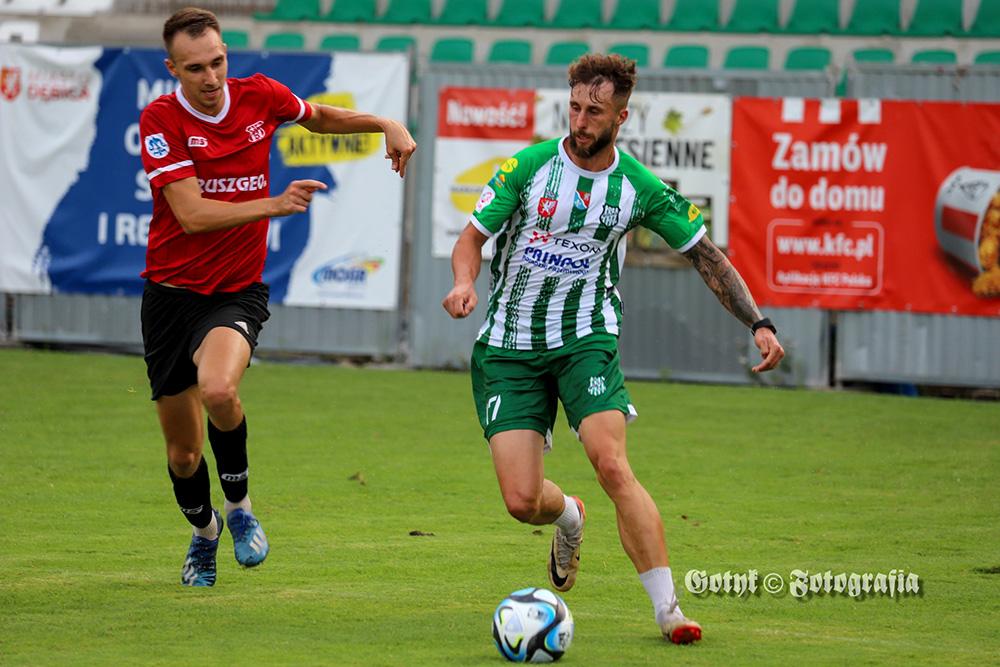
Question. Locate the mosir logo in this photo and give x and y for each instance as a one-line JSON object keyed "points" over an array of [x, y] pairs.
{"points": [[10, 82]]}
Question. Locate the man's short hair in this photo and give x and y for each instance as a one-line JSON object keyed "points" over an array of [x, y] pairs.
{"points": [[594, 69], [190, 20]]}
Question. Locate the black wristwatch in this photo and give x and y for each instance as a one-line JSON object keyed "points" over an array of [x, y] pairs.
{"points": [[763, 324]]}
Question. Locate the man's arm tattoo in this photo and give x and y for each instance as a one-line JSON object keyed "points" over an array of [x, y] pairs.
{"points": [[723, 279]]}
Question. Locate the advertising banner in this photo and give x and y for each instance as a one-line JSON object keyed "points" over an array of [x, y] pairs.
{"points": [[77, 204], [683, 139], [867, 204]]}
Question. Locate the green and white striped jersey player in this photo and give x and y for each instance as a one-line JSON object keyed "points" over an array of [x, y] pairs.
{"points": [[559, 212], [560, 243]]}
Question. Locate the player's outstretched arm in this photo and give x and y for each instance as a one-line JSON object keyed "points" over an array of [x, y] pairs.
{"points": [[197, 214], [723, 279], [466, 260], [399, 144]]}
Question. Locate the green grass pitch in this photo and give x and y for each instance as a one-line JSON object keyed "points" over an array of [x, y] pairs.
{"points": [[346, 462]]}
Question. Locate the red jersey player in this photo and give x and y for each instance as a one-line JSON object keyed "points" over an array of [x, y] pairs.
{"points": [[205, 152]]}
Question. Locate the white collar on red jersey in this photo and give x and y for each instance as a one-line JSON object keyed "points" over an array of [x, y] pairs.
{"points": [[218, 118]]}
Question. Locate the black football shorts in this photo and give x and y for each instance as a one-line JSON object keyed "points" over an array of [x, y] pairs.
{"points": [[175, 321]]}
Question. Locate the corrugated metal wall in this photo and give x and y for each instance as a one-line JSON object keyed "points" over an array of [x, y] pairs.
{"points": [[971, 83], [114, 321], [674, 327], [907, 347]]}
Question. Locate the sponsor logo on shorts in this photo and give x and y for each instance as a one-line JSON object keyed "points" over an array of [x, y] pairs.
{"points": [[192, 510], [597, 386], [157, 146], [242, 325]]}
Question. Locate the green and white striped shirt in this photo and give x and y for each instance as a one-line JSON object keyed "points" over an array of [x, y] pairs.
{"points": [[560, 233]]}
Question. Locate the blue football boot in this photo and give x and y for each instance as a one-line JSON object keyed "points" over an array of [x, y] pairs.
{"points": [[249, 542], [199, 566]]}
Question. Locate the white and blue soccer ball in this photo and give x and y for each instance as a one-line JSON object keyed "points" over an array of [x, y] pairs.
{"points": [[532, 625]]}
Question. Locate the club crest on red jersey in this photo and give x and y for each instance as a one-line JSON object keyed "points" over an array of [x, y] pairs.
{"points": [[10, 82], [547, 207], [256, 131]]}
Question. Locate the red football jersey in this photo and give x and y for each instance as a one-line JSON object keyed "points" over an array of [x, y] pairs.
{"points": [[229, 155]]}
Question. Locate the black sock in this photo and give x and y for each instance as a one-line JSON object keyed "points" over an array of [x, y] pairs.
{"points": [[230, 449], [194, 495]]}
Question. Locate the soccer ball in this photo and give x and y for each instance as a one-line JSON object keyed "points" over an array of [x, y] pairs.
{"points": [[532, 625]]}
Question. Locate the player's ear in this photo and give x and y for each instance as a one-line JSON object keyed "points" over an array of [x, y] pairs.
{"points": [[622, 116]]}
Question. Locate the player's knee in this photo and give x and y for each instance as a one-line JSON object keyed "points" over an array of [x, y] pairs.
{"points": [[183, 462], [614, 474], [219, 395], [524, 508]]}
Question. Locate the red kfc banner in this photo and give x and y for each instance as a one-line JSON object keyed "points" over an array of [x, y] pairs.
{"points": [[867, 204]]}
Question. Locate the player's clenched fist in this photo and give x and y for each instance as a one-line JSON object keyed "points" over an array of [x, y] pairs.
{"points": [[461, 300], [296, 197], [399, 145]]}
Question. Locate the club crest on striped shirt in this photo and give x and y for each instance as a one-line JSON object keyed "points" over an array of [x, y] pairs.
{"points": [[597, 386], [581, 201], [547, 207]]}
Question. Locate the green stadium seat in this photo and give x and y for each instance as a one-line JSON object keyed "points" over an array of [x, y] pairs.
{"points": [[636, 15], [935, 56], [987, 58], [987, 21], [351, 11], [563, 53], [753, 16], [873, 56], [686, 55], [810, 17], [747, 57], [340, 42], [637, 52], [395, 43], [407, 11], [521, 14], [937, 18], [452, 50], [807, 57], [292, 10], [236, 39], [694, 16], [577, 14], [463, 12], [285, 41], [874, 17], [864, 56], [510, 51]]}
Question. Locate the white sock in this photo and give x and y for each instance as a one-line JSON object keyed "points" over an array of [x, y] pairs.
{"points": [[209, 532], [242, 505], [659, 585], [570, 520]]}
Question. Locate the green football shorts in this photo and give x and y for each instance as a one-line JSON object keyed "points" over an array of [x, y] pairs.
{"points": [[518, 389]]}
